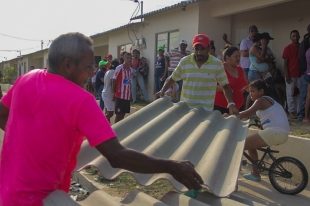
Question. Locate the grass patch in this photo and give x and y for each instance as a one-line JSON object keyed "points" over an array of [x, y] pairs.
{"points": [[140, 103], [126, 183]]}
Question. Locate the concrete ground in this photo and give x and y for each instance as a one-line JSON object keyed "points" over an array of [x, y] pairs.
{"points": [[262, 192]]}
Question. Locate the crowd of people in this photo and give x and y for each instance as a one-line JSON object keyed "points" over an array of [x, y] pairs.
{"points": [[239, 82]]}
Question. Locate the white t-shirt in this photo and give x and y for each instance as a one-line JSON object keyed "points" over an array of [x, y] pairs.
{"points": [[170, 89], [274, 118], [107, 89]]}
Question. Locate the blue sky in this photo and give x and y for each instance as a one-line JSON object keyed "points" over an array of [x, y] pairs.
{"points": [[45, 20]]}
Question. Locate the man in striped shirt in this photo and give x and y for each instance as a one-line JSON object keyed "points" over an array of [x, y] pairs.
{"points": [[121, 88], [201, 72], [173, 58]]}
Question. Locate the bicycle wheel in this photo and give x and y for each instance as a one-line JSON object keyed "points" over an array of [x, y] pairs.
{"points": [[288, 175]]}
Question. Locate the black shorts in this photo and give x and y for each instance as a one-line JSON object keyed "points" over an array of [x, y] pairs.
{"points": [[221, 109], [122, 106]]}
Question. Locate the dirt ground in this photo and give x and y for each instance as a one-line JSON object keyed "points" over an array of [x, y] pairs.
{"points": [[299, 128]]}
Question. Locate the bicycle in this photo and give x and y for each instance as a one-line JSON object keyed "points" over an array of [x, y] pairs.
{"points": [[286, 174]]}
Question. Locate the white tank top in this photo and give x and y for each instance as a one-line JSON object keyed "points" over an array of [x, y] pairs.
{"points": [[274, 118]]}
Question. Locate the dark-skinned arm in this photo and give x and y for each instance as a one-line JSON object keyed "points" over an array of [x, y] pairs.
{"points": [[4, 114], [259, 104], [230, 98], [125, 158], [113, 83], [286, 73], [168, 83]]}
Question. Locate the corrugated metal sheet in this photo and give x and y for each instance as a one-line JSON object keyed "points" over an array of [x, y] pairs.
{"points": [[180, 4], [173, 131], [138, 198], [163, 129]]}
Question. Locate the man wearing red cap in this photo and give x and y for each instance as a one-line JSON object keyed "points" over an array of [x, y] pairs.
{"points": [[200, 73], [108, 58]]}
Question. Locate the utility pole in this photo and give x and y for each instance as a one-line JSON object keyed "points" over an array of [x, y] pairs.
{"points": [[42, 44], [141, 10]]}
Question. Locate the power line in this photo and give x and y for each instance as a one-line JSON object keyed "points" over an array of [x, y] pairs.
{"points": [[21, 38]]}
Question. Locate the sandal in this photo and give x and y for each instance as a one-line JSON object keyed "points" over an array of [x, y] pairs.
{"points": [[250, 176], [306, 120]]}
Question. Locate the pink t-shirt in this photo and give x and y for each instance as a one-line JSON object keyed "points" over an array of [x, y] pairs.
{"points": [[49, 117]]}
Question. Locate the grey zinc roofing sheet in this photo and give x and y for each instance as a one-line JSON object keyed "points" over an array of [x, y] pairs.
{"points": [[138, 198], [173, 131]]}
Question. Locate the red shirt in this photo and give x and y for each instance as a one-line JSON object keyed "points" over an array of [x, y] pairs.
{"points": [[237, 85], [290, 53], [135, 63], [123, 82]]}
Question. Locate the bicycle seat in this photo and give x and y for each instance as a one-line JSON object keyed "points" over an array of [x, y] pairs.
{"points": [[267, 149]]}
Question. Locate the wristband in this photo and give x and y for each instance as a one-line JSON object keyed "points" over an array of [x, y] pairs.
{"points": [[231, 103]]}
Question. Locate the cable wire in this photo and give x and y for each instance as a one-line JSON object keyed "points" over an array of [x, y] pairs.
{"points": [[22, 38]]}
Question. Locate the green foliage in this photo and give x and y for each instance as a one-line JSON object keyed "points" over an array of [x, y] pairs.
{"points": [[9, 75]]}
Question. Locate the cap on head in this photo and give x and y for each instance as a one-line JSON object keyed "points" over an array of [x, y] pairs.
{"points": [[108, 56], [183, 42], [102, 63], [201, 39], [253, 27], [266, 35], [160, 48]]}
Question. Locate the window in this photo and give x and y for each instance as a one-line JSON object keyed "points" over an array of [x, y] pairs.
{"points": [[170, 40], [126, 48]]}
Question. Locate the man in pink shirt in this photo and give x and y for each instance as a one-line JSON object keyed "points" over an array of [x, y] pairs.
{"points": [[45, 125]]}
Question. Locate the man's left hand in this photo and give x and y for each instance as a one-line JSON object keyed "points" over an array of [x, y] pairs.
{"points": [[233, 110]]}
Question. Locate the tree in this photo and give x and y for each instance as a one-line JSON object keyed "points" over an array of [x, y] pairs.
{"points": [[9, 75]]}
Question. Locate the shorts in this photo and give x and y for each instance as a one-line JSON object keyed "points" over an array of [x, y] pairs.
{"points": [[254, 75], [108, 103], [122, 106], [273, 138]]}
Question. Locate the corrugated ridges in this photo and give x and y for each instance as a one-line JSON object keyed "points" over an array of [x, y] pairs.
{"points": [[138, 198], [173, 131]]}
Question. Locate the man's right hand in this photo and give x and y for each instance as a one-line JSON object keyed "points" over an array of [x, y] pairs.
{"points": [[185, 173], [158, 95], [264, 42], [288, 79]]}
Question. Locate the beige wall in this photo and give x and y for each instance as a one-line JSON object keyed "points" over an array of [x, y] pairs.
{"points": [[213, 27], [101, 51], [280, 18]]}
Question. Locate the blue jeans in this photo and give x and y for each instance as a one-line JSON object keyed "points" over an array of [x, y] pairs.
{"points": [[158, 84], [140, 80], [180, 83], [302, 96], [254, 75], [101, 102]]}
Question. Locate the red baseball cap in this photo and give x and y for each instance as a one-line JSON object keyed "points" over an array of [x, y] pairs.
{"points": [[108, 55], [201, 39]]}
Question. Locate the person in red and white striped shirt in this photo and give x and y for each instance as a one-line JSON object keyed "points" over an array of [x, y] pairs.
{"points": [[121, 87]]}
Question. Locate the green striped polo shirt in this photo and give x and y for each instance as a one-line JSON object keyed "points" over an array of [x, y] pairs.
{"points": [[199, 84]]}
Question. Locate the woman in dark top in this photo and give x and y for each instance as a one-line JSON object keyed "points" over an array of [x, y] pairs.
{"points": [[159, 68]]}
